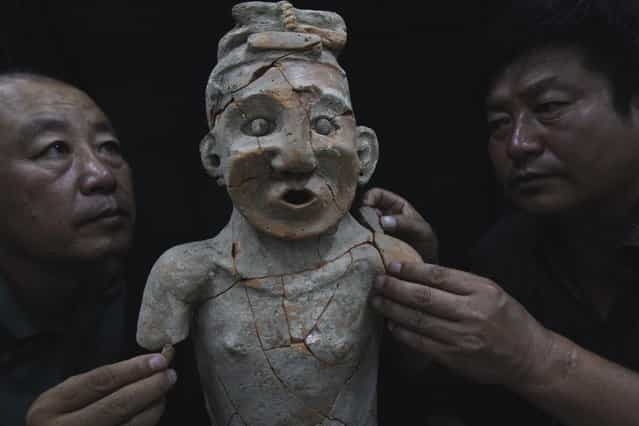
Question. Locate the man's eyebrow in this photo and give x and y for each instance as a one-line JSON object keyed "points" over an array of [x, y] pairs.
{"points": [[536, 87], [531, 89], [42, 124], [104, 126]]}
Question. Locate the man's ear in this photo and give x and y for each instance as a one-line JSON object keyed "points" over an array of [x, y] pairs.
{"points": [[211, 159], [368, 153]]}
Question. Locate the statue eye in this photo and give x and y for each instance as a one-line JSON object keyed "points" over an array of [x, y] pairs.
{"points": [[324, 126], [258, 127]]}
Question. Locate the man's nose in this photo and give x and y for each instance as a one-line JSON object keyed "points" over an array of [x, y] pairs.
{"points": [[96, 176], [294, 155], [524, 141]]}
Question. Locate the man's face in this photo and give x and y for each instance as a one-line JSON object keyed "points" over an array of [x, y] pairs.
{"points": [[67, 190], [288, 150], [557, 143]]}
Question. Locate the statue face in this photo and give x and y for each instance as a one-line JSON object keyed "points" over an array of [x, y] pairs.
{"points": [[287, 150]]}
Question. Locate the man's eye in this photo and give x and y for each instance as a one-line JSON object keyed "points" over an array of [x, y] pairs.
{"points": [[496, 126], [324, 126], [111, 147], [258, 127], [549, 108], [55, 149]]}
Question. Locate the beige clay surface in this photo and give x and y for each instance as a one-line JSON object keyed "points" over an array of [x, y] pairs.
{"points": [[277, 302]]}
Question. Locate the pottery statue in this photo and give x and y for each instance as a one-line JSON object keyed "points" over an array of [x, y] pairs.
{"points": [[277, 302]]}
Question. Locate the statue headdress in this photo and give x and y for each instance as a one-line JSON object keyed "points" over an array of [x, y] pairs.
{"points": [[264, 33]]}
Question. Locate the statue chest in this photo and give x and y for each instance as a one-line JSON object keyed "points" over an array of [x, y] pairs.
{"points": [[293, 339]]}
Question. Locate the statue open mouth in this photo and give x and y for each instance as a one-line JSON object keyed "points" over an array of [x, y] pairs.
{"points": [[298, 197]]}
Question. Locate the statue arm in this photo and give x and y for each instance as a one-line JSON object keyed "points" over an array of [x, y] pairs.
{"points": [[408, 360], [170, 292]]}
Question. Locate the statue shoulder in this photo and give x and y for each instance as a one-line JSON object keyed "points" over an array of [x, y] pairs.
{"points": [[392, 249], [189, 258], [186, 268], [180, 278]]}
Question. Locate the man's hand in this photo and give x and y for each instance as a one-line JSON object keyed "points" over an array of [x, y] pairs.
{"points": [[464, 321], [399, 219], [130, 392]]}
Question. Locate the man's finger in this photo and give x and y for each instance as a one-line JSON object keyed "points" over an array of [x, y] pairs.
{"points": [[448, 279], [386, 201], [415, 231], [420, 322], [412, 228], [150, 416], [82, 390], [428, 346], [127, 402], [424, 298]]}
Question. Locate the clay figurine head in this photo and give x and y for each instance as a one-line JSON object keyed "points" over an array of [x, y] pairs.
{"points": [[283, 136]]}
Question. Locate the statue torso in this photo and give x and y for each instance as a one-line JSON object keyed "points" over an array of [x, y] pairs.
{"points": [[293, 349], [283, 330]]}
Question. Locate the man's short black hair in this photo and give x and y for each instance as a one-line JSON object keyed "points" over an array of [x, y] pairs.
{"points": [[606, 31]]}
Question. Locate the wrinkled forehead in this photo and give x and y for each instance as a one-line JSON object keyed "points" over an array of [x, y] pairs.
{"points": [[535, 68], [29, 107], [24, 95], [321, 80]]}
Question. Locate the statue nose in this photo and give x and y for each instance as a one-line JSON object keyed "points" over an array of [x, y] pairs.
{"points": [[295, 157]]}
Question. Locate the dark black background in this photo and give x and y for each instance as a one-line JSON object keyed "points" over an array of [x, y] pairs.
{"points": [[413, 76]]}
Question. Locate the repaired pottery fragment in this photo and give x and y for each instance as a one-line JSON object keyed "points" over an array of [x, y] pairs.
{"points": [[277, 302]]}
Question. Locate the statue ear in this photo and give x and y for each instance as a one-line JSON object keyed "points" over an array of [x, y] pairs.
{"points": [[368, 153], [211, 159]]}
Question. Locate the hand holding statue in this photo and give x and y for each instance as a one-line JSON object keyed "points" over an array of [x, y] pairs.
{"points": [[130, 392], [400, 219], [464, 321]]}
